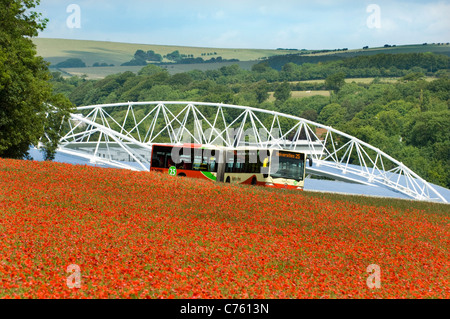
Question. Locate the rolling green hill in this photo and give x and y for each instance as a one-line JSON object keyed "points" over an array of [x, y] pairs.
{"points": [[58, 50], [277, 62], [442, 48], [115, 53]]}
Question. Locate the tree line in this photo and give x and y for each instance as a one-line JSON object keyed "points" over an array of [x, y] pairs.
{"points": [[144, 58], [381, 60]]}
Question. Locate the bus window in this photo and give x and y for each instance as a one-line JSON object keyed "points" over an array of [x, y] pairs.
{"points": [[212, 167], [192, 159], [211, 163], [252, 160], [239, 162], [197, 163], [265, 166], [230, 166], [290, 165], [162, 156], [160, 159], [229, 160], [170, 162], [185, 162]]}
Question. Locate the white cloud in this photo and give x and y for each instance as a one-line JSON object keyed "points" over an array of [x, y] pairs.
{"points": [[219, 15], [201, 16], [263, 10], [228, 39]]}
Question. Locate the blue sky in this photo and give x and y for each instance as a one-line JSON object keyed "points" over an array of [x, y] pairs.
{"points": [[262, 24]]}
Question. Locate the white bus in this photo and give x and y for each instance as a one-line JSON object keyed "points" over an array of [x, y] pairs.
{"points": [[248, 165]]}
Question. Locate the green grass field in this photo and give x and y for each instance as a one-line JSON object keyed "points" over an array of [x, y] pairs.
{"points": [[95, 73], [301, 94]]}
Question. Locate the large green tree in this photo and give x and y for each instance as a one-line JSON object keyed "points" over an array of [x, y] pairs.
{"points": [[28, 107], [261, 90], [282, 92], [335, 81]]}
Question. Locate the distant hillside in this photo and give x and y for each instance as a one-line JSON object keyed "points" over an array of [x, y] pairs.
{"points": [[58, 50], [278, 61], [113, 54], [441, 48]]}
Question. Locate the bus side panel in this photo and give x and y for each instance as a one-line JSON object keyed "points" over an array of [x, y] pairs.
{"points": [[245, 178], [275, 185], [186, 172], [249, 180]]}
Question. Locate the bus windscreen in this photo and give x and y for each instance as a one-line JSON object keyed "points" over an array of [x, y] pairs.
{"points": [[287, 165]]}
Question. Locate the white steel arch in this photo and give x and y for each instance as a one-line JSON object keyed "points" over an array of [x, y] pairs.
{"points": [[122, 135]]}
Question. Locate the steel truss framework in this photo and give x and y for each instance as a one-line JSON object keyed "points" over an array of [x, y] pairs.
{"points": [[122, 135]]}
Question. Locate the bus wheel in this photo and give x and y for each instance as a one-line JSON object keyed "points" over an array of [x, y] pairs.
{"points": [[182, 175], [254, 181], [228, 179]]}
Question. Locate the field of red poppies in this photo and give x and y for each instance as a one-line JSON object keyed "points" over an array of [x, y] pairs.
{"points": [[147, 235]]}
